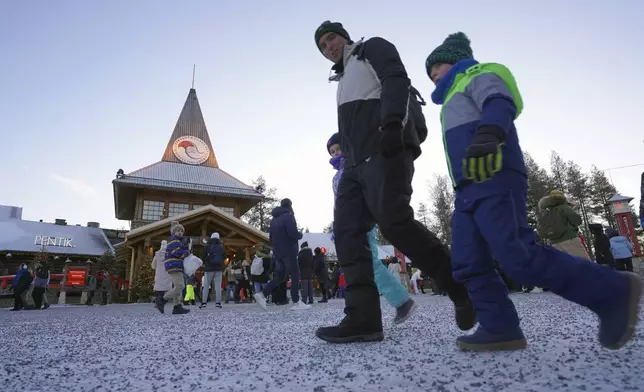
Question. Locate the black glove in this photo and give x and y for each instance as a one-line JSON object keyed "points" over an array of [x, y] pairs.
{"points": [[484, 156], [391, 140]]}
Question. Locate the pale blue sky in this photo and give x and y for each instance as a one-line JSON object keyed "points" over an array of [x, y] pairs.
{"points": [[88, 87]]}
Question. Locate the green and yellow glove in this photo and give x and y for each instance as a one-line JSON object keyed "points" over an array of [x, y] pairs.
{"points": [[484, 157]]}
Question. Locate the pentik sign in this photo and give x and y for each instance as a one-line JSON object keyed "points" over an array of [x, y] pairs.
{"points": [[62, 242]]}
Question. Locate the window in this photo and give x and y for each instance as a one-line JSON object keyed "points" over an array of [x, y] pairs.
{"points": [[177, 208], [152, 210], [195, 206], [227, 210]]}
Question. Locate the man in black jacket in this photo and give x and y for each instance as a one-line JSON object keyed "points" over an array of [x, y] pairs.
{"points": [[322, 274], [381, 126], [213, 257], [305, 262]]}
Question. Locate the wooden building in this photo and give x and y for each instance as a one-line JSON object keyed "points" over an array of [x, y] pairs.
{"points": [[186, 185]]}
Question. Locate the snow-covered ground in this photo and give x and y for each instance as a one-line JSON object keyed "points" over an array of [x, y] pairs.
{"points": [[240, 348]]}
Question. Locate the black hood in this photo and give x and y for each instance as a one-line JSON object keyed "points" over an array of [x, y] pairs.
{"points": [[214, 241], [277, 211]]}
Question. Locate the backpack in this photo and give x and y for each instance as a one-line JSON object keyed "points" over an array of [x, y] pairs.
{"points": [[257, 268], [238, 273], [215, 255], [43, 272], [552, 224], [414, 108]]}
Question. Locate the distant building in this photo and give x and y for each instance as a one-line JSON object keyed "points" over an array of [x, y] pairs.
{"points": [[323, 240], [186, 185], [21, 240]]}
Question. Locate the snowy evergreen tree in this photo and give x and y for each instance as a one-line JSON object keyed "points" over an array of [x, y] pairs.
{"points": [[539, 183], [601, 191], [441, 207], [143, 287], [106, 262], [422, 214], [578, 193], [558, 170], [328, 228], [260, 215], [42, 256]]}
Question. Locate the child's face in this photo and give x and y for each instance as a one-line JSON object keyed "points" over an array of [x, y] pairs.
{"points": [[179, 233], [438, 71], [335, 150]]}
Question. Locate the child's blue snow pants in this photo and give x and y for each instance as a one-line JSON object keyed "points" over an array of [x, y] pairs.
{"points": [[491, 219]]}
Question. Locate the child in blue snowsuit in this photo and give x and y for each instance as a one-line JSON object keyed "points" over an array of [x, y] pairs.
{"points": [[479, 105], [175, 252], [388, 285]]}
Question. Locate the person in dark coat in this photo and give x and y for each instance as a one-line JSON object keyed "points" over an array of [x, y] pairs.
{"points": [[284, 237], [335, 279], [602, 245], [305, 262], [20, 284], [213, 257], [321, 273]]}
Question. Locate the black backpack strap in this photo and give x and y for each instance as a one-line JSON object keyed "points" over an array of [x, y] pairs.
{"points": [[358, 51], [416, 94]]}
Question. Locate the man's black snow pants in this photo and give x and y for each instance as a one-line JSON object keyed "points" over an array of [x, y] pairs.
{"points": [[379, 190]]}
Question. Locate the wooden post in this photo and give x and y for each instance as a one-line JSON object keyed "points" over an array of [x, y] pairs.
{"points": [[204, 229], [247, 253], [132, 258]]}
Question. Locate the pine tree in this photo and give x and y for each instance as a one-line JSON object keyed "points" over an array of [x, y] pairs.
{"points": [[539, 183], [143, 287], [558, 169], [601, 191], [578, 191], [422, 214], [442, 207], [42, 256], [107, 262], [260, 215], [328, 228]]}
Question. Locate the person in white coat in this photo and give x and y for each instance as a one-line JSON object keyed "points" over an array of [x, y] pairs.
{"points": [[162, 280], [394, 268], [415, 277]]}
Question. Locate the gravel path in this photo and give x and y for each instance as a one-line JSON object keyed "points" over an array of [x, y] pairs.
{"points": [[240, 348]]}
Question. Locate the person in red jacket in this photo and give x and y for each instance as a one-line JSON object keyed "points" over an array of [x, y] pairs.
{"points": [[342, 283]]}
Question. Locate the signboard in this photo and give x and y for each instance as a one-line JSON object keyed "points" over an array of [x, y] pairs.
{"points": [[62, 242], [76, 277], [191, 150]]}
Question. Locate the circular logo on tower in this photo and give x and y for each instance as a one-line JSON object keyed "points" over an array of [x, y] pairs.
{"points": [[191, 150]]}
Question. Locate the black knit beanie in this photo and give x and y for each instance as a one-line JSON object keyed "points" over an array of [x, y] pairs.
{"points": [[330, 27]]}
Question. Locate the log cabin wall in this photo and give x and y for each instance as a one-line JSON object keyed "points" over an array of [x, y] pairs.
{"points": [[182, 198]]}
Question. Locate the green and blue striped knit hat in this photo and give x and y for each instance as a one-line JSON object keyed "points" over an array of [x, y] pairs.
{"points": [[456, 47]]}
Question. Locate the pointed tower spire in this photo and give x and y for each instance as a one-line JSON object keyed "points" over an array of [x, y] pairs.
{"points": [[190, 143]]}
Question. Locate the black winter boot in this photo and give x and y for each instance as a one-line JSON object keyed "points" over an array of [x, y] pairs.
{"points": [[178, 309], [345, 333]]}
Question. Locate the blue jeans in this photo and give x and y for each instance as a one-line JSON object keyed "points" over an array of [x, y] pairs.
{"points": [[388, 284], [258, 287], [284, 267]]}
